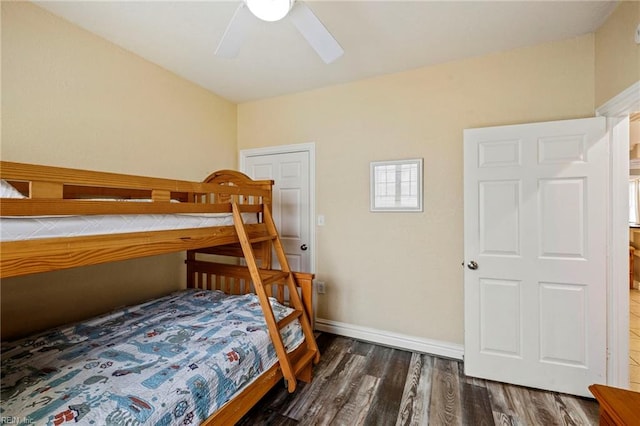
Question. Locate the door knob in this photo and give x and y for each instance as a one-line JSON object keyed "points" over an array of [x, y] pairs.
{"points": [[303, 247], [472, 265]]}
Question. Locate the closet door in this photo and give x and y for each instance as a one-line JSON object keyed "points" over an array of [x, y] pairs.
{"points": [[291, 202]]}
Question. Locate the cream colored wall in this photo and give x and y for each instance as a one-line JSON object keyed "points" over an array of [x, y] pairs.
{"points": [[70, 98], [617, 54], [402, 272]]}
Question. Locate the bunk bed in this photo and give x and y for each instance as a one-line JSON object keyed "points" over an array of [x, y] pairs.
{"points": [[227, 214]]}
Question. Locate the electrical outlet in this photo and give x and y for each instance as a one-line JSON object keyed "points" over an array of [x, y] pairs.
{"points": [[637, 35], [320, 287]]}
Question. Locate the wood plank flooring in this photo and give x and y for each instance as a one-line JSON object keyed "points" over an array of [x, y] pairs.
{"points": [[358, 383], [634, 340]]}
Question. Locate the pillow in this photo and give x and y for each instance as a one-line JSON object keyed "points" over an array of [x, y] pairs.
{"points": [[8, 191]]}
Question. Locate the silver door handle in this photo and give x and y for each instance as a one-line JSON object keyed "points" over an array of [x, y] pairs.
{"points": [[303, 247], [472, 265]]}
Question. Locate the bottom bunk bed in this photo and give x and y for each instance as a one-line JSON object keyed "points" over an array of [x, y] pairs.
{"points": [[199, 356]]}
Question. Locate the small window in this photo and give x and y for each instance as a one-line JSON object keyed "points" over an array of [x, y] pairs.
{"points": [[634, 189], [396, 186]]}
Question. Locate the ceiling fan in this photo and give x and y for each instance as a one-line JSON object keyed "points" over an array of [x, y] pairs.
{"points": [[298, 12]]}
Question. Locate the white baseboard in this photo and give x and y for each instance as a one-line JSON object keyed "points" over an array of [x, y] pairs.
{"points": [[387, 338]]}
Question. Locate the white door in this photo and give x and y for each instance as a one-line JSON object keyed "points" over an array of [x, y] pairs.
{"points": [[291, 202], [535, 203]]}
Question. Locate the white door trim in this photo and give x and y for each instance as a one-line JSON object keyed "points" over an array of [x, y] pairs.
{"points": [[617, 111], [623, 103], [310, 148]]}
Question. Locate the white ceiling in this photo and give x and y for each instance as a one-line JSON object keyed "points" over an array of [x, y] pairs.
{"points": [[378, 37]]}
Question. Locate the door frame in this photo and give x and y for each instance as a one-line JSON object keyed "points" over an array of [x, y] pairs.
{"points": [[617, 111], [310, 148]]}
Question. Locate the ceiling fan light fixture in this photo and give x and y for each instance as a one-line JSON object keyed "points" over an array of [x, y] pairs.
{"points": [[270, 10]]}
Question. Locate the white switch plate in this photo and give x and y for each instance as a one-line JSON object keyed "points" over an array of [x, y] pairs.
{"points": [[637, 37], [320, 220]]}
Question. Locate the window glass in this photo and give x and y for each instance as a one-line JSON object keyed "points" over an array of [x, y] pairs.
{"points": [[396, 185]]}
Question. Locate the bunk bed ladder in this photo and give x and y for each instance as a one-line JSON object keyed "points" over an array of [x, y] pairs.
{"points": [[263, 277]]}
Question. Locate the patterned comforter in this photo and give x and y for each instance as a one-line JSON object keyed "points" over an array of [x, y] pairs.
{"points": [[171, 361]]}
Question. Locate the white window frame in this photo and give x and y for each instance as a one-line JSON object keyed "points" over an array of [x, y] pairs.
{"points": [[376, 200], [634, 200]]}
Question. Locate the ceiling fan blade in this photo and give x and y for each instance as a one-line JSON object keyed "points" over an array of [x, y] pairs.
{"points": [[315, 32], [236, 31]]}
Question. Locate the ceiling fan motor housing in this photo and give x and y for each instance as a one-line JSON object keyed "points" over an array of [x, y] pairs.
{"points": [[270, 10]]}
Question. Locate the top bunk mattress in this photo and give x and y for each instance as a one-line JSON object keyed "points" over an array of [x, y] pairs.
{"points": [[19, 228], [171, 361]]}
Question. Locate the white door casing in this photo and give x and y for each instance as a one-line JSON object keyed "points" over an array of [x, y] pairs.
{"points": [[617, 111], [291, 207], [535, 202]]}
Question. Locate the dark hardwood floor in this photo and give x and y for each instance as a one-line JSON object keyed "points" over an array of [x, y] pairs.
{"points": [[358, 383]]}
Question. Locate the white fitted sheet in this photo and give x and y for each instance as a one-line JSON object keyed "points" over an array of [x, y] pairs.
{"points": [[17, 228]]}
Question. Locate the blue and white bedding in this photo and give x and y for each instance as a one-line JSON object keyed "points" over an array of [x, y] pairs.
{"points": [[171, 361]]}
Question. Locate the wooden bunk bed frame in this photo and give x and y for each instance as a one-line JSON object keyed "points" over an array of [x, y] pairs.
{"points": [[54, 191], [64, 191]]}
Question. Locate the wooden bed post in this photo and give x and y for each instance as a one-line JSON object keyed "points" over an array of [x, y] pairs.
{"points": [[191, 256]]}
